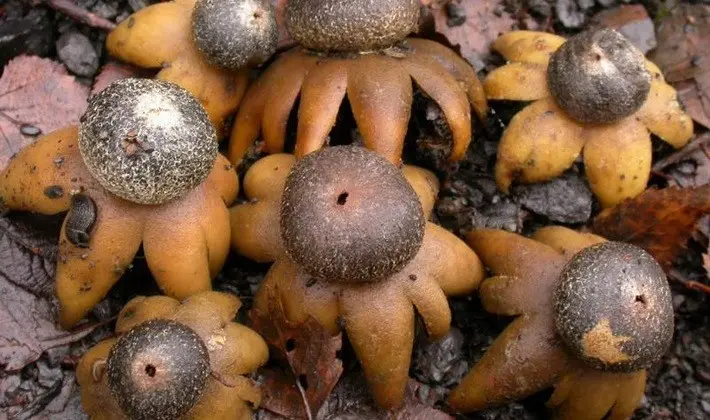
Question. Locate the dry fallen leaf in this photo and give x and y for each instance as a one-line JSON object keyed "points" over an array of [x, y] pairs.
{"points": [[36, 96], [659, 221], [484, 22], [26, 309], [683, 36], [311, 353]]}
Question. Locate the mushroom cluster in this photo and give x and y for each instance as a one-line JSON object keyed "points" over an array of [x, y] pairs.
{"points": [[352, 248], [595, 94], [357, 49], [141, 169], [174, 360], [591, 316], [205, 46]]}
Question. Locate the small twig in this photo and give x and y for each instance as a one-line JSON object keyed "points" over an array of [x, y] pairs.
{"points": [[690, 284], [303, 395], [75, 12]]}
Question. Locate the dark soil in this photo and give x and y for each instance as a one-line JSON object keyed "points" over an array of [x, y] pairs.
{"points": [[678, 387]]}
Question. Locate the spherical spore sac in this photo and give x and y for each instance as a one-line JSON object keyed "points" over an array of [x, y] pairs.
{"points": [[349, 215], [158, 370], [235, 33], [613, 307], [351, 26], [599, 77], [147, 141]]}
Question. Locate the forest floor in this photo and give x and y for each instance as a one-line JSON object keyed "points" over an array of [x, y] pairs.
{"points": [[37, 359]]}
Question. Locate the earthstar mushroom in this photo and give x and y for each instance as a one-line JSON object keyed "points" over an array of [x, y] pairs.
{"points": [[594, 94], [204, 46], [141, 170], [321, 220], [174, 360], [591, 316], [357, 49]]}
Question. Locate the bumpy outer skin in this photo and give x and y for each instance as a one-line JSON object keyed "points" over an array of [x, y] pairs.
{"points": [[160, 36], [343, 209], [613, 307], [147, 141], [599, 77], [542, 140], [185, 241], [235, 33], [528, 356], [378, 88], [355, 25], [178, 377], [234, 350], [378, 317]]}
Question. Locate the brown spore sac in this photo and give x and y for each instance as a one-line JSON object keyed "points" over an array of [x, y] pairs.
{"points": [[147, 141], [235, 33], [599, 77], [349, 215], [353, 25], [158, 370], [613, 307]]}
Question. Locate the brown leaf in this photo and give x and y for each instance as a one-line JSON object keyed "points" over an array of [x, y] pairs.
{"points": [[659, 221], [311, 353], [36, 96], [113, 71], [26, 309], [683, 36], [632, 21], [485, 21]]}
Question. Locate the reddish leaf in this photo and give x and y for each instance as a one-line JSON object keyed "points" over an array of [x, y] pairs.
{"points": [[485, 21], [26, 310], [632, 21], [311, 353], [36, 96], [683, 55], [659, 221], [111, 72]]}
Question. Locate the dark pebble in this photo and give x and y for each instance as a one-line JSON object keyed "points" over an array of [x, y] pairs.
{"points": [[565, 199], [77, 53], [456, 15], [105, 10], [441, 362], [137, 5], [569, 13], [30, 34]]}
